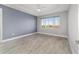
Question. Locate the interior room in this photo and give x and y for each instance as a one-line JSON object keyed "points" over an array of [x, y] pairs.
{"points": [[39, 29]]}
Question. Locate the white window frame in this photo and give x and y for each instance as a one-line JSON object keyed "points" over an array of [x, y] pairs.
{"points": [[53, 26]]}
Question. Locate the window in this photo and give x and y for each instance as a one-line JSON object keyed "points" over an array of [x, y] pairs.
{"points": [[52, 22]]}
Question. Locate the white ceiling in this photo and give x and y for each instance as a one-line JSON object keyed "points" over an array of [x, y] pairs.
{"points": [[45, 8]]}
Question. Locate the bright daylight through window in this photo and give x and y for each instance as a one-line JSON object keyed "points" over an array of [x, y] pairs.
{"points": [[51, 22]]}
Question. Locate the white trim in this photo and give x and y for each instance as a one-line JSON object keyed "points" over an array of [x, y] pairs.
{"points": [[53, 34], [31, 34], [17, 37], [1, 28]]}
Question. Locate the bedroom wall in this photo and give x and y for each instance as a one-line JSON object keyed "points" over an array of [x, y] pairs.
{"points": [[62, 30], [0, 24], [16, 23], [73, 27]]}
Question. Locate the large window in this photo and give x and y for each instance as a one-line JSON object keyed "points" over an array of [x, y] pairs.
{"points": [[51, 22]]}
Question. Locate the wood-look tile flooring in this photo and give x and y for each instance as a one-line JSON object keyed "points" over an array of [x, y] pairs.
{"points": [[36, 44]]}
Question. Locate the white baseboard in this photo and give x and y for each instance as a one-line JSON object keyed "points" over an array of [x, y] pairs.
{"points": [[17, 37], [53, 34], [29, 35]]}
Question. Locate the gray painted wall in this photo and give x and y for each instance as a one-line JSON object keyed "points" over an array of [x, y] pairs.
{"points": [[73, 28], [16, 23], [61, 30]]}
